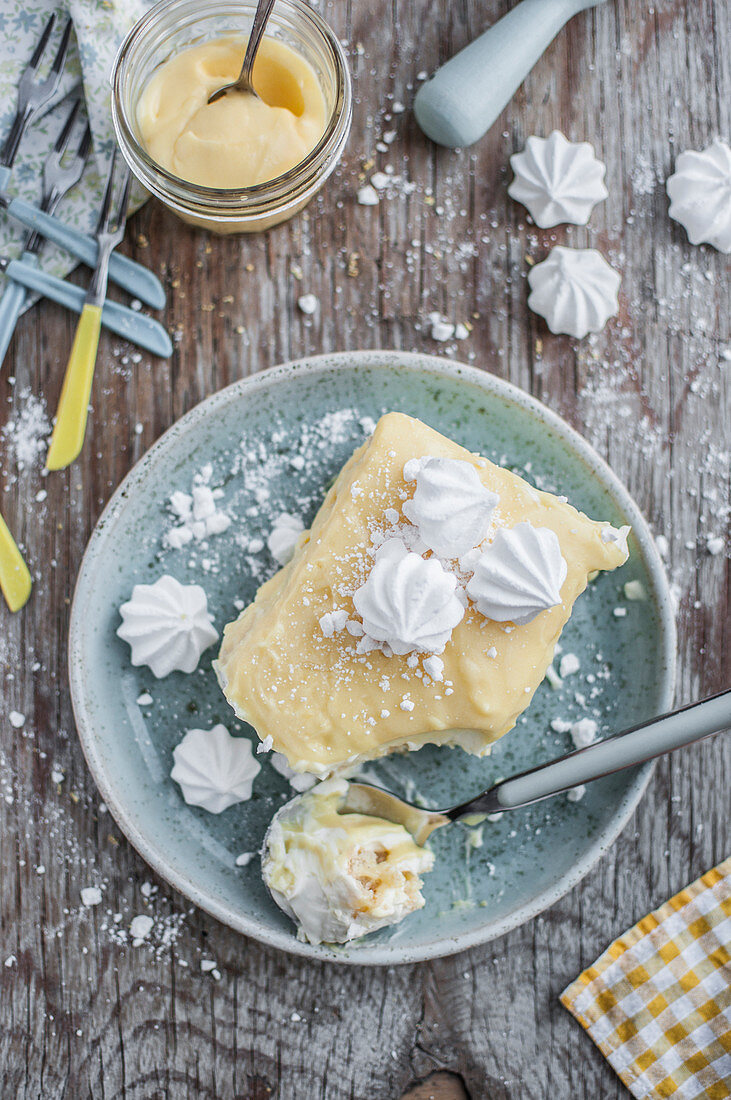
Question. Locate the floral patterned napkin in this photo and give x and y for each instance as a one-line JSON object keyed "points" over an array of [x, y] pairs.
{"points": [[99, 27]]}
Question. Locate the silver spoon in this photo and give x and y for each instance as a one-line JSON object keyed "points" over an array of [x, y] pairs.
{"points": [[243, 83], [623, 750]]}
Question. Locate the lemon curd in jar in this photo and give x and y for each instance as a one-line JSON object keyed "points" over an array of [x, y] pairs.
{"points": [[240, 140]]}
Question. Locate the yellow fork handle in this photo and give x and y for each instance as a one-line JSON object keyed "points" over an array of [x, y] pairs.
{"points": [[15, 581], [73, 406]]}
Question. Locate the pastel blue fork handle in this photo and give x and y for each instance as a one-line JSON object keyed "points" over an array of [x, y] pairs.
{"points": [[133, 277], [634, 746], [11, 306], [140, 329], [463, 98]]}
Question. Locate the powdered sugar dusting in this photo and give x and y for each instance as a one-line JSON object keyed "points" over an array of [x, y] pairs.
{"points": [[26, 433]]}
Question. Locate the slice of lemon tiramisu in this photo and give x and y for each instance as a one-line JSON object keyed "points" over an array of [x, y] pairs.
{"points": [[423, 606]]}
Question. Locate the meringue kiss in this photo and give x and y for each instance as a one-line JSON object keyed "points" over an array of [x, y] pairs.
{"points": [[518, 575], [575, 289], [167, 626], [700, 195], [408, 602], [451, 507], [559, 181], [213, 769]]}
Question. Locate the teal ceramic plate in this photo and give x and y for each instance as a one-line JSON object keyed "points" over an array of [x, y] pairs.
{"points": [[254, 436]]}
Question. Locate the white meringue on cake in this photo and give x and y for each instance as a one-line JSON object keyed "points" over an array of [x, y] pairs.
{"points": [[451, 507], [575, 290], [700, 195], [559, 181], [408, 602], [213, 769], [167, 626], [518, 575]]}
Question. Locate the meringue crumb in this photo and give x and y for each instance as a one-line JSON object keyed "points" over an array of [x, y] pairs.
{"points": [[140, 928], [584, 732], [308, 304], [568, 665], [635, 590]]}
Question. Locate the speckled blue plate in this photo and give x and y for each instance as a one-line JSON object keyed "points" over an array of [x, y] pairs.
{"points": [[250, 433]]}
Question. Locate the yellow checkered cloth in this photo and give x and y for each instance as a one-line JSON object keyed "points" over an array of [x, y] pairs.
{"points": [[658, 1001]]}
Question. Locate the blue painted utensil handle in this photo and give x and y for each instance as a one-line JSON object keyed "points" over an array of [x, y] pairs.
{"points": [[634, 746], [11, 307], [463, 98], [133, 277], [140, 329]]}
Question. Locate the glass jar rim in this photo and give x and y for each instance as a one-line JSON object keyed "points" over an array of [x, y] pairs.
{"points": [[277, 187]]}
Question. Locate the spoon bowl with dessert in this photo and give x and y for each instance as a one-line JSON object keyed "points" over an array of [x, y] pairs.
{"points": [[346, 858]]}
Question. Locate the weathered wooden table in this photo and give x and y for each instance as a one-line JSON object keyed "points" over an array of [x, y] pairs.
{"points": [[86, 1015]]}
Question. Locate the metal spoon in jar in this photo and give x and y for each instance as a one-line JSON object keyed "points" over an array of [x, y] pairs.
{"points": [[623, 750], [243, 83]]}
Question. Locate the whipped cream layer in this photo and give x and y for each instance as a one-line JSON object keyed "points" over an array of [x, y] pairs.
{"points": [[340, 876], [295, 666]]}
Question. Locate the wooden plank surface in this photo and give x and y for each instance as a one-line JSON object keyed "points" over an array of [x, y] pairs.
{"points": [[84, 1015]]}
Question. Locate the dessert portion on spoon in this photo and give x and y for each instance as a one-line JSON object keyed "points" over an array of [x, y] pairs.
{"points": [[346, 858], [340, 875], [422, 606]]}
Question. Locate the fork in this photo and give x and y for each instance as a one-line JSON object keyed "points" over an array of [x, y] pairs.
{"points": [[34, 94], [73, 406], [59, 176], [634, 746]]}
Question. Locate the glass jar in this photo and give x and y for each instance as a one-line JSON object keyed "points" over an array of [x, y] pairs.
{"points": [[171, 26]]}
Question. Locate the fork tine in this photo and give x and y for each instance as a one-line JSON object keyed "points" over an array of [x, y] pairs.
{"points": [[124, 201], [107, 200], [42, 43], [33, 94], [63, 138], [85, 144], [63, 46]]}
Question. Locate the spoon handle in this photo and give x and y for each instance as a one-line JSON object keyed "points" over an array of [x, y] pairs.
{"points": [[624, 750], [261, 18]]}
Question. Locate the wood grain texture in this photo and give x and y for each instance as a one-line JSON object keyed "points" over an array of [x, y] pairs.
{"points": [[82, 1015]]}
